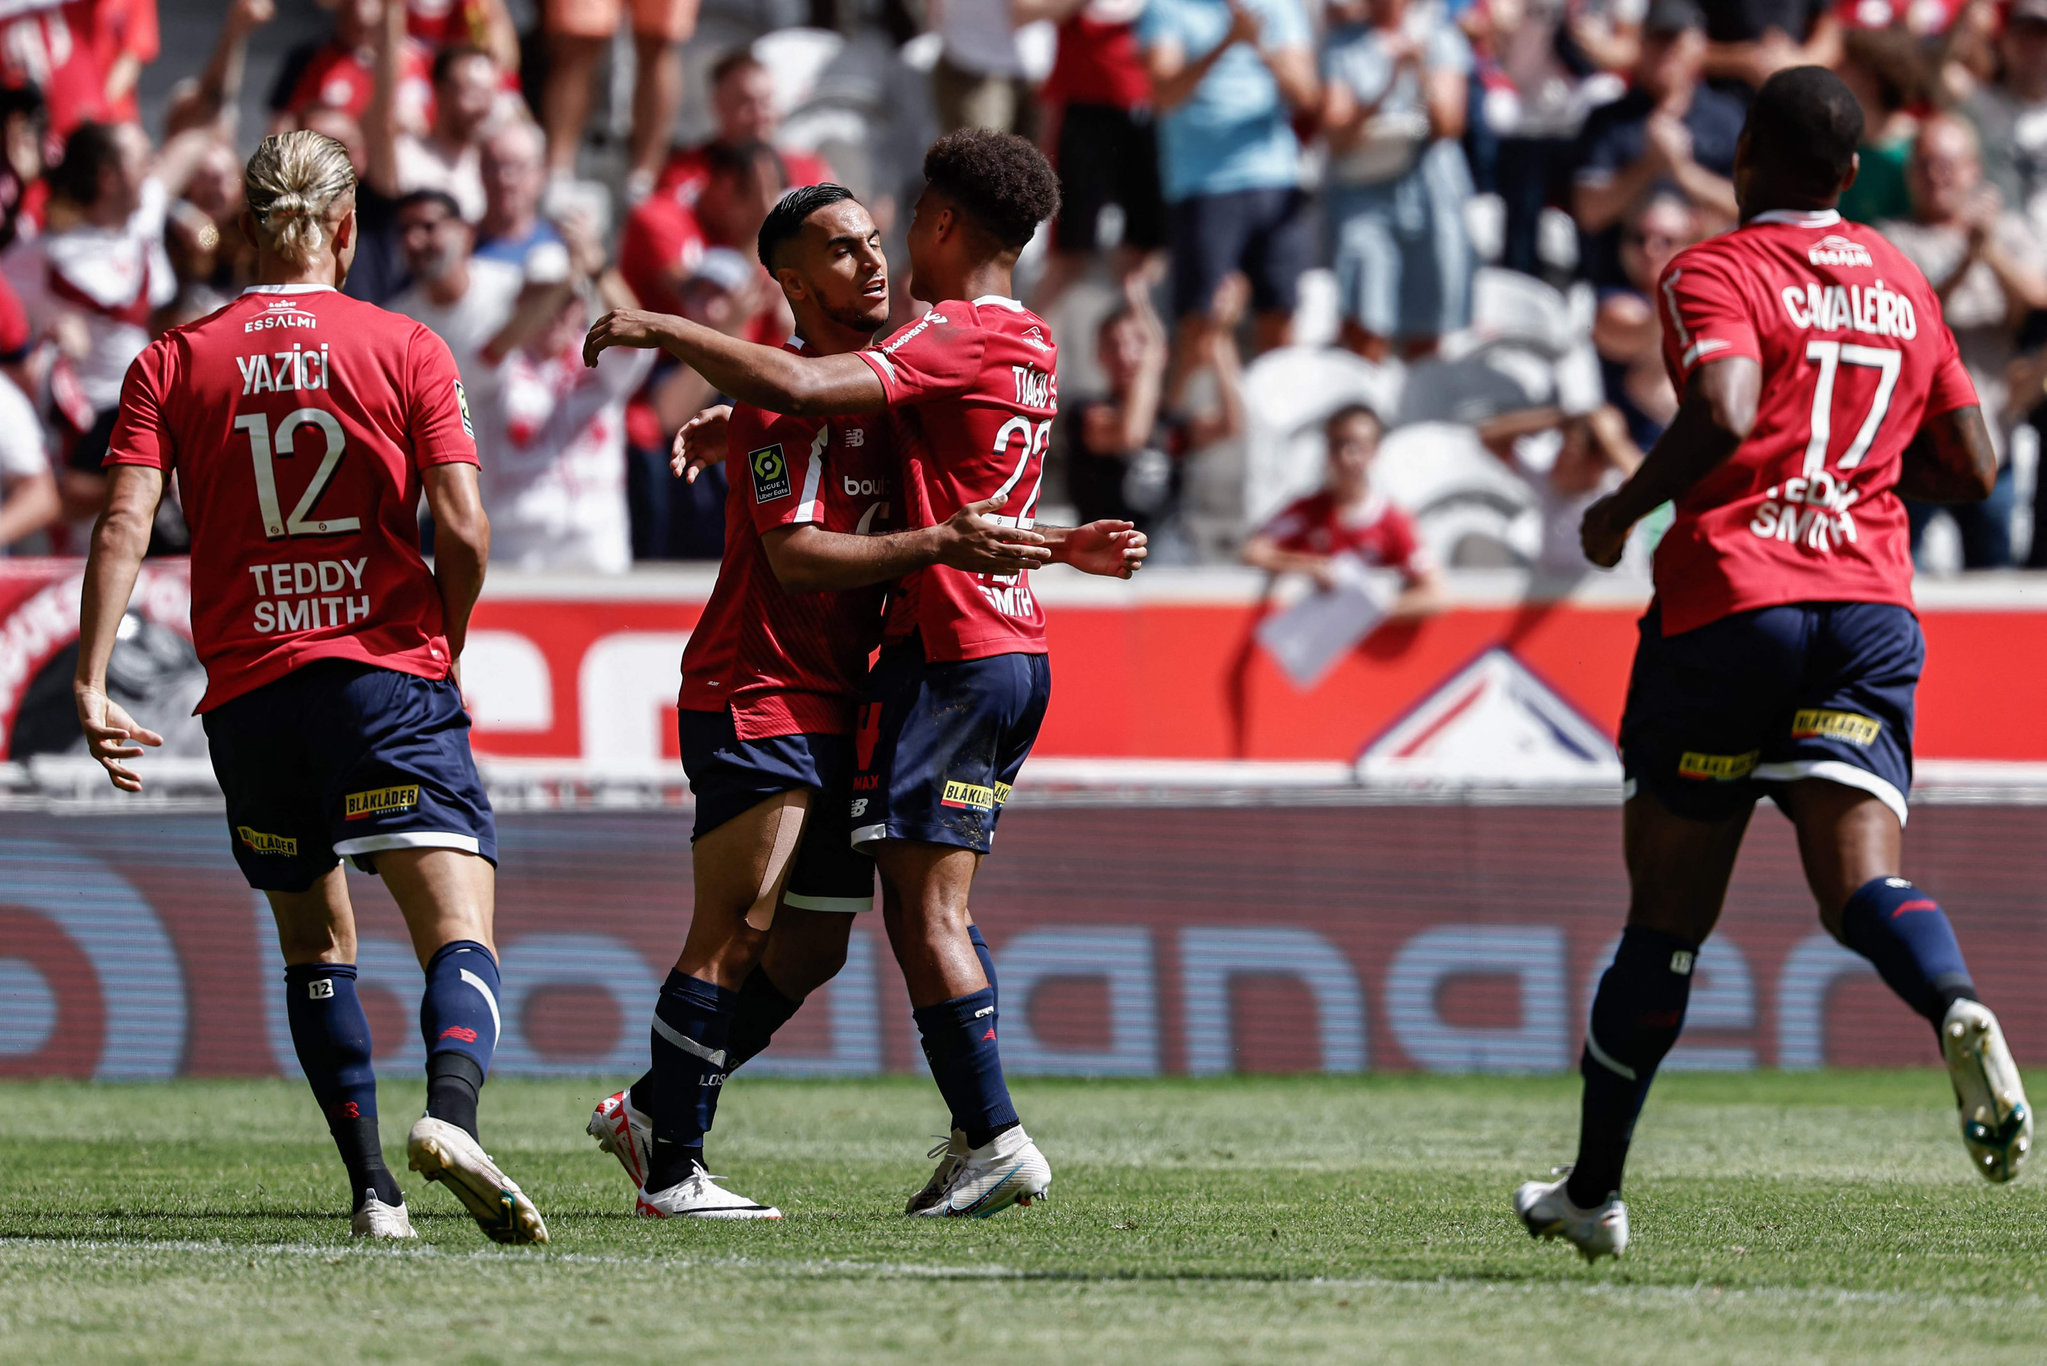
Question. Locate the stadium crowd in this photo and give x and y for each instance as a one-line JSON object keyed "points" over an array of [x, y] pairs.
{"points": [[1380, 178]]}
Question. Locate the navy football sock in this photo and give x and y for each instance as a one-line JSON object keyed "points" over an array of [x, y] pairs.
{"points": [[959, 1044], [332, 1037], [987, 960], [458, 1018], [1906, 934], [1636, 1017], [692, 1025], [761, 1010]]}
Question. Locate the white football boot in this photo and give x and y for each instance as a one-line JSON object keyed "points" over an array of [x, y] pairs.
{"points": [[1008, 1170], [378, 1220], [621, 1130], [442, 1152], [1997, 1124], [1545, 1208], [699, 1196], [950, 1152]]}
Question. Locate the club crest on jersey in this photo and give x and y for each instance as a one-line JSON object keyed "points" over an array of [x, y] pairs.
{"points": [[379, 800], [462, 403], [770, 473], [1035, 337], [1836, 250]]}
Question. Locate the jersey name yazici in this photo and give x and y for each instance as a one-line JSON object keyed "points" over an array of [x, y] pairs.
{"points": [[1854, 358], [298, 422], [973, 393], [790, 663]]}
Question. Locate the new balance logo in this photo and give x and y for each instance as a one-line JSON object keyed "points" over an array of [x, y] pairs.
{"points": [[320, 989], [989, 1037], [459, 1032]]}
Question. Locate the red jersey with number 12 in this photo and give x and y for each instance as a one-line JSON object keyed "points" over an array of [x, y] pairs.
{"points": [[973, 392], [1854, 357], [298, 421], [790, 663]]}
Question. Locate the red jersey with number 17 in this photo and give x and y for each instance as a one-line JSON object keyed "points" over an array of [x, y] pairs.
{"points": [[973, 392], [1854, 357], [298, 421], [790, 663]]}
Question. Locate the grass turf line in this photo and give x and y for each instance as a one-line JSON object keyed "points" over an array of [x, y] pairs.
{"points": [[1828, 1216]]}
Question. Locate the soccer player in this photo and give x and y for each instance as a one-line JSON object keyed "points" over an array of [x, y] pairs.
{"points": [[1780, 654], [959, 690], [770, 680], [302, 426]]}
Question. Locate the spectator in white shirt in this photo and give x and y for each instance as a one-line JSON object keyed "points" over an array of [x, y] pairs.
{"points": [[28, 486], [449, 157]]}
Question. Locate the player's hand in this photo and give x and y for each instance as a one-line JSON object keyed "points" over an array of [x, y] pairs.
{"points": [[1604, 533], [701, 443], [1115, 550], [623, 327], [972, 540], [112, 735]]}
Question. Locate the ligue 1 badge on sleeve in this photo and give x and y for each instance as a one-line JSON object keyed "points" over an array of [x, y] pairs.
{"points": [[462, 402], [770, 474]]}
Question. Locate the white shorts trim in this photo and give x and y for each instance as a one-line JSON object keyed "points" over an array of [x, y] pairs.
{"points": [[867, 834], [848, 905], [409, 839], [1834, 771]]}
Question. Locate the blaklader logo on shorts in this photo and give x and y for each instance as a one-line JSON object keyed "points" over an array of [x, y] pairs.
{"points": [[379, 800], [975, 797], [1814, 723], [1719, 768], [268, 844], [770, 474]]}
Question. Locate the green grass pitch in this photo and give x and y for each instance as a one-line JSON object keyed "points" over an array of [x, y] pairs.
{"points": [[1821, 1217]]}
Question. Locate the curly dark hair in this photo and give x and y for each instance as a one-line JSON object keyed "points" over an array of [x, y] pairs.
{"points": [[1001, 181]]}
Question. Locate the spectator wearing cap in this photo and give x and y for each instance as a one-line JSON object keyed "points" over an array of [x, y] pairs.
{"points": [[1749, 41], [1104, 140], [578, 34], [1395, 91], [743, 103], [1228, 80], [1348, 517], [2010, 114], [1669, 131], [1882, 68], [1987, 267]]}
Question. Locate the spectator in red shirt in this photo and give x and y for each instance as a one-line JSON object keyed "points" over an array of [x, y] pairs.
{"points": [[341, 73], [54, 48], [1349, 517], [743, 101], [1098, 99], [664, 241]]}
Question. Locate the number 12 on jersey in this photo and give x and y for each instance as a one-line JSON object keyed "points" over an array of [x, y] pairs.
{"points": [[263, 450]]}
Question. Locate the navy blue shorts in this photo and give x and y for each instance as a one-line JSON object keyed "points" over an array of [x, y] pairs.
{"points": [[1718, 716], [340, 759], [1267, 234], [941, 742], [731, 776]]}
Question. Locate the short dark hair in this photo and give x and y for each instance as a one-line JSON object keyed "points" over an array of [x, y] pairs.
{"points": [[1354, 408], [1000, 181], [790, 213], [446, 59], [742, 157], [416, 198], [1805, 124], [1890, 56], [738, 59], [91, 149]]}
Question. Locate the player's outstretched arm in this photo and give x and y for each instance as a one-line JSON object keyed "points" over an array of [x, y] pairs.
{"points": [[766, 376], [1950, 460], [1113, 549], [119, 539], [1718, 410], [461, 545], [809, 559]]}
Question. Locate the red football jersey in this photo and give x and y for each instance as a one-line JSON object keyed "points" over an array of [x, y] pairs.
{"points": [[298, 420], [1378, 533], [1854, 356], [1099, 61], [973, 391], [790, 663]]}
